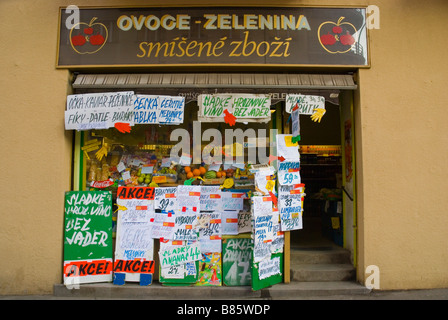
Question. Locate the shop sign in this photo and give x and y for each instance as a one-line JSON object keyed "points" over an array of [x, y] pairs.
{"points": [[232, 36], [88, 237], [244, 107]]}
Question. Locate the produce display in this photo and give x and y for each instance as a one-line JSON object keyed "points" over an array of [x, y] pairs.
{"points": [[134, 167]]}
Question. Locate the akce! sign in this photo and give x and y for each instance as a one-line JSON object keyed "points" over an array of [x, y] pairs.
{"points": [[108, 37]]}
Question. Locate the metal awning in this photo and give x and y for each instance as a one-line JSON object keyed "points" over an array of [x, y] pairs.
{"points": [[215, 80]]}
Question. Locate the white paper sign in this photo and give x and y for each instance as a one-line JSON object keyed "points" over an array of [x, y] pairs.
{"points": [[229, 221], [163, 225], [289, 172], [185, 226], [232, 200], [145, 108], [171, 110], [244, 221], [211, 198], [99, 110], [268, 268], [287, 149], [306, 103], [264, 181], [290, 204], [165, 199], [189, 198], [134, 240]]}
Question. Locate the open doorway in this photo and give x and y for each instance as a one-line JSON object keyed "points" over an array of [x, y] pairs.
{"points": [[322, 172]]}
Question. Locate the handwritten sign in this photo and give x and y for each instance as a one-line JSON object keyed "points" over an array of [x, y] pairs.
{"points": [[211, 198], [99, 110], [262, 227], [290, 207], [244, 221], [145, 109], [278, 240], [179, 271], [163, 225], [209, 226], [244, 107], [229, 222], [305, 103], [268, 268], [171, 110], [289, 173], [180, 255], [185, 227], [189, 198], [233, 200], [87, 237], [236, 261], [134, 243], [165, 199]]}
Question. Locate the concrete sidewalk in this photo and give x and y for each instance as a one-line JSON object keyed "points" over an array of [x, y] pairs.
{"points": [[291, 291]]}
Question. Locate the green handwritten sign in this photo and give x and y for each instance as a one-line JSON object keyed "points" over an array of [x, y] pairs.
{"points": [[88, 236], [245, 107], [237, 261]]}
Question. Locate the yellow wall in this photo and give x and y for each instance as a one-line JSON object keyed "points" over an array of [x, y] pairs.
{"points": [[401, 141]]}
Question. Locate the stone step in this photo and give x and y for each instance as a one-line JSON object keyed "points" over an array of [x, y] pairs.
{"points": [[292, 290], [319, 256], [322, 272], [311, 290]]}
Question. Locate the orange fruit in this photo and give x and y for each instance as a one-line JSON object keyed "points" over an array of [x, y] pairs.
{"points": [[187, 169], [218, 174], [196, 172], [202, 170], [190, 175]]}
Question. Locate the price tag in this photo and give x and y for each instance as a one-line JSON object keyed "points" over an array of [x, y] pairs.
{"points": [[159, 179], [121, 167], [147, 168]]}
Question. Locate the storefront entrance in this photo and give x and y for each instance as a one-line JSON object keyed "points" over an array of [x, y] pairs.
{"points": [[322, 146]]}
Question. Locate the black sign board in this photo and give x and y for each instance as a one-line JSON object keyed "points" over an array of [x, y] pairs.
{"points": [[233, 36]]}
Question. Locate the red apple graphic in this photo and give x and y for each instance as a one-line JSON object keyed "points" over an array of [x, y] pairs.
{"points": [[78, 40], [337, 30], [92, 38], [347, 39], [328, 39], [97, 40], [336, 37]]}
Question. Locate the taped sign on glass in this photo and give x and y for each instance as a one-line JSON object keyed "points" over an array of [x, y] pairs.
{"points": [[291, 206], [171, 110], [99, 110], [289, 173], [286, 148], [211, 198], [185, 227], [305, 103], [165, 199], [244, 107], [146, 109]]}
